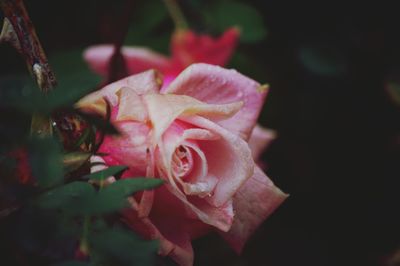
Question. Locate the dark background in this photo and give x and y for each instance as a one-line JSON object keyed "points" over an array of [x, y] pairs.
{"points": [[337, 153]]}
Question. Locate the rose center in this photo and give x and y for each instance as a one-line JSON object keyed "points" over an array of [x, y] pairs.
{"points": [[182, 161]]}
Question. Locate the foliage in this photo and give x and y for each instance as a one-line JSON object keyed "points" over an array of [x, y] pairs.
{"points": [[61, 205]]}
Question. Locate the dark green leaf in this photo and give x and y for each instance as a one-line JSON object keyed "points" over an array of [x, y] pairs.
{"points": [[227, 14], [114, 197], [81, 198], [74, 81], [393, 89], [128, 186], [45, 160], [103, 174], [72, 263], [121, 247], [72, 194]]}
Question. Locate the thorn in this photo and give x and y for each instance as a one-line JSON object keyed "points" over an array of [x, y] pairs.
{"points": [[8, 35]]}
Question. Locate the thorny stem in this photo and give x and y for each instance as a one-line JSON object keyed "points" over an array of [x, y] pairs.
{"points": [[176, 14], [18, 30]]}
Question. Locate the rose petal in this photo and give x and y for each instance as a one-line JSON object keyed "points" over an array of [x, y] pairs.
{"points": [[174, 240], [253, 203], [131, 106], [173, 106], [144, 83], [216, 85], [259, 140], [137, 59], [129, 149]]}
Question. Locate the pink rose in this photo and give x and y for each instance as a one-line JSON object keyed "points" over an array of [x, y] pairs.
{"points": [[194, 136]]}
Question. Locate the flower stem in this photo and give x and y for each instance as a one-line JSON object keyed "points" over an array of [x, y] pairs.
{"points": [[176, 14]]}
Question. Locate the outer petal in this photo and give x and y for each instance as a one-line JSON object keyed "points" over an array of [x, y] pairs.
{"points": [[259, 140], [144, 83], [166, 223], [129, 149], [216, 85], [253, 203], [137, 59], [188, 47]]}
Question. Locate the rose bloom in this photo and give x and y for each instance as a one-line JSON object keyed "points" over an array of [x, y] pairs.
{"points": [[187, 47], [193, 135]]}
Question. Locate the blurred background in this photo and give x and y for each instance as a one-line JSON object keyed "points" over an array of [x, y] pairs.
{"points": [[334, 73]]}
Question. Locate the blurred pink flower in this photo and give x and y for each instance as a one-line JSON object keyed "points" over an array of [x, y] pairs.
{"points": [[193, 135], [186, 47]]}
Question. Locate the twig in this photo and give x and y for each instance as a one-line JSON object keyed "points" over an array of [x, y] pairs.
{"points": [[18, 30]]}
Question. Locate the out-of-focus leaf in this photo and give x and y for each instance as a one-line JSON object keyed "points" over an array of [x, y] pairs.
{"points": [[121, 247], [128, 186], [227, 14], [74, 81], [75, 193], [43, 232], [393, 90], [114, 197], [72, 263], [103, 174], [323, 59], [143, 26], [81, 198], [45, 160], [74, 160]]}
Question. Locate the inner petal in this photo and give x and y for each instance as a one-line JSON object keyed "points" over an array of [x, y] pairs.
{"points": [[182, 162]]}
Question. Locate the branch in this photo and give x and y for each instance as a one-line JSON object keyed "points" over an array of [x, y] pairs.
{"points": [[18, 30]]}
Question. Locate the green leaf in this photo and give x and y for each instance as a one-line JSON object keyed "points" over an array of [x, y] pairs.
{"points": [[227, 14], [45, 160], [121, 247], [393, 90], [103, 174], [80, 198], [72, 263], [72, 194], [114, 196], [74, 81], [128, 186], [143, 27]]}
